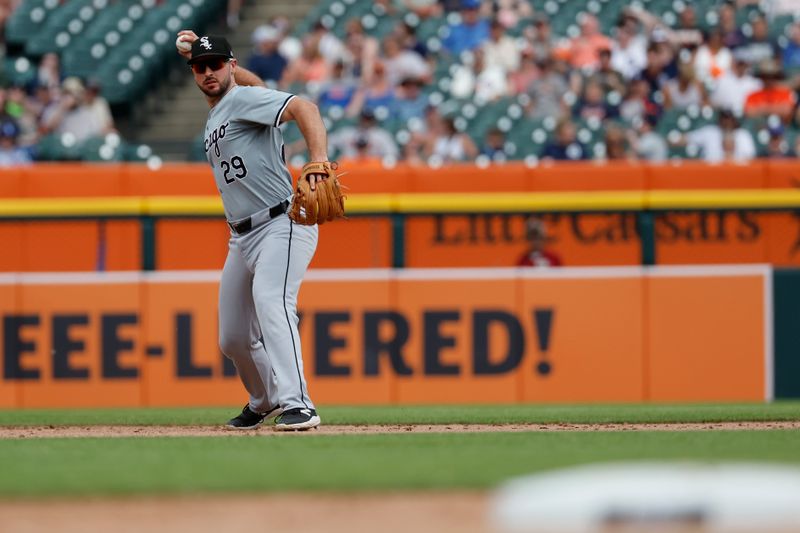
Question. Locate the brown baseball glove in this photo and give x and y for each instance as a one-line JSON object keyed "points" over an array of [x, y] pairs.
{"points": [[321, 205]]}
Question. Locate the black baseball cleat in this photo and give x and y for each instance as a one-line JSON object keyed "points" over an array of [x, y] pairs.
{"points": [[297, 419], [247, 419]]}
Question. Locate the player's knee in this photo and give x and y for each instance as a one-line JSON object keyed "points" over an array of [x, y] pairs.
{"points": [[234, 347]]}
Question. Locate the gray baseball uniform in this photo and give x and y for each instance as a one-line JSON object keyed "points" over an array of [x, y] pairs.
{"points": [[265, 264]]}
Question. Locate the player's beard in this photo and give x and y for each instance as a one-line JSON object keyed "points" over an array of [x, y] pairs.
{"points": [[222, 87]]}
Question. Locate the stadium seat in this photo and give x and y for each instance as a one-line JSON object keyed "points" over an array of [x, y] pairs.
{"points": [[102, 149], [58, 32], [57, 147], [26, 21], [19, 71]]}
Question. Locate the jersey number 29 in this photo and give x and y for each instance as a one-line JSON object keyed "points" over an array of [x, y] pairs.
{"points": [[238, 167]]}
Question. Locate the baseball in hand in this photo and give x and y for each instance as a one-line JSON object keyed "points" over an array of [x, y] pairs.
{"points": [[183, 46]]}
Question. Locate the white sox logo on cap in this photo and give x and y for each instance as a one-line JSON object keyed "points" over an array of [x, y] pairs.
{"points": [[204, 43]]}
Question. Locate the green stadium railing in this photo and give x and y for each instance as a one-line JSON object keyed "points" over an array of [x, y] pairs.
{"points": [[398, 207]]}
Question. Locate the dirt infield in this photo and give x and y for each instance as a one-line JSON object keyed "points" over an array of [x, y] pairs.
{"points": [[19, 432], [445, 512]]}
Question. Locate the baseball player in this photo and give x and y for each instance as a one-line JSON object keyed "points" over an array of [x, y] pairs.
{"points": [[268, 253]]}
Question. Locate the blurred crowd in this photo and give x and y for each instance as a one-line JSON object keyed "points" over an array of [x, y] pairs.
{"points": [[406, 95], [50, 104], [630, 80]]}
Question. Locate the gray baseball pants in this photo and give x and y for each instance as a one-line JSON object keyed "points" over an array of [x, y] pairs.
{"points": [[258, 311]]}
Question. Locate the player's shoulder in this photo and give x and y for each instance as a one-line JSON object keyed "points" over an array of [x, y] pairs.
{"points": [[255, 91]]}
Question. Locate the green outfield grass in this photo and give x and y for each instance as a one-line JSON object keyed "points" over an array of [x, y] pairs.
{"points": [[36, 467], [483, 414], [57, 467]]}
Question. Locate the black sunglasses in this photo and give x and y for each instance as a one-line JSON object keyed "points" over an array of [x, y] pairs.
{"points": [[213, 64]]}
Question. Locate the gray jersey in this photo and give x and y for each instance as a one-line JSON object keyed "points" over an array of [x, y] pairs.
{"points": [[245, 149]]}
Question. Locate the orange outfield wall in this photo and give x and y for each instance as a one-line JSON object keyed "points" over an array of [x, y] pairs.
{"points": [[453, 241], [195, 179], [399, 337]]}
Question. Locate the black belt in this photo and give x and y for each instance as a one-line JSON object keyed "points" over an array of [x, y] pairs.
{"points": [[245, 225]]}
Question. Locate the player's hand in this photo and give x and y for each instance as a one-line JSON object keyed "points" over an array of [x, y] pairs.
{"points": [[189, 36], [313, 179]]}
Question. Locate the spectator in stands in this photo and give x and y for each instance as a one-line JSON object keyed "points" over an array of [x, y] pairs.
{"points": [[584, 49], [592, 104], [339, 90], [5, 116], [537, 255], [377, 94], [759, 46], [540, 37], [494, 144], [98, 111], [349, 141], [686, 34], [15, 101], [328, 45], [388, 8], [11, 154], [510, 12], [364, 156], [363, 50], [654, 72], [407, 35], [487, 82], [233, 12], [616, 144], [732, 36], [777, 146], [712, 59], [401, 63], [774, 98], [290, 47], [470, 33], [451, 6], [448, 145], [637, 102], [775, 8], [267, 62], [49, 71], [522, 78], [628, 50], [310, 67], [733, 88], [609, 79], [791, 52], [6, 8], [424, 8], [645, 142], [72, 115], [421, 135], [723, 141], [410, 102], [684, 91], [27, 117], [546, 92], [501, 50], [688, 30], [565, 147], [42, 104]]}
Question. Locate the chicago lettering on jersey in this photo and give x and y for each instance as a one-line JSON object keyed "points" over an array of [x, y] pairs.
{"points": [[214, 137]]}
